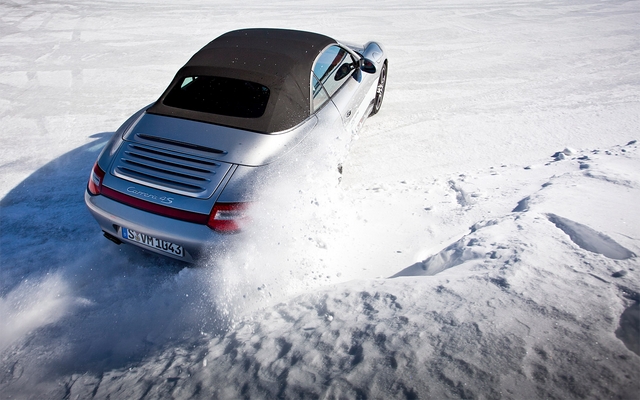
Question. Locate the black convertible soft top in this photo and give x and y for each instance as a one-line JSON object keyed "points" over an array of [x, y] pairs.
{"points": [[279, 59]]}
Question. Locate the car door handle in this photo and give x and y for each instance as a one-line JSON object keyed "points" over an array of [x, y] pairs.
{"points": [[348, 114]]}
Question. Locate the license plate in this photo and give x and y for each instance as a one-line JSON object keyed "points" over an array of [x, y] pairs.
{"points": [[151, 241]]}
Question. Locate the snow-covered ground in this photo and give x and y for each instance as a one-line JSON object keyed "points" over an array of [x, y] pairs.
{"points": [[482, 241]]}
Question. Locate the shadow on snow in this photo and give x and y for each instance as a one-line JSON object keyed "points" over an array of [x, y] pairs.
{"points": [[73, 302]]}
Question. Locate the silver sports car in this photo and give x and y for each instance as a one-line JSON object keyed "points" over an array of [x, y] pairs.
{"points": [[178, 174]]}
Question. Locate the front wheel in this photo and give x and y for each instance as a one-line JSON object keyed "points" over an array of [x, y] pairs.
{"points": [[382, 83]]}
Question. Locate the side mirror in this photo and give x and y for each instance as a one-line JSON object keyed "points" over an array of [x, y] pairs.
{"points": [[344, 70], [367, 66]]}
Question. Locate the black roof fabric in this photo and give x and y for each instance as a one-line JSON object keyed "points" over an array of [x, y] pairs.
{"points": [[279, 59]]}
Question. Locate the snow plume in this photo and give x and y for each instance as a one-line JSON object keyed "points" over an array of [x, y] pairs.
{"points": [[31, 305], [286, 246]]}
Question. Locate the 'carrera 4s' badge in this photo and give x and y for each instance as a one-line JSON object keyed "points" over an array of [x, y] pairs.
{"points": [[149, 196]]}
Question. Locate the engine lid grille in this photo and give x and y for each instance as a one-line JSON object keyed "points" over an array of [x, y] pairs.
{"points": [[167, 170]]}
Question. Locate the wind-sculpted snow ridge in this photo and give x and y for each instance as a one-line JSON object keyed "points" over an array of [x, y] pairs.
{"points": [[590, 239], [473, 247], [469, 248]]}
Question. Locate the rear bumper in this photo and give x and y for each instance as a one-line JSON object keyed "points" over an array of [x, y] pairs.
{"points": [[111, 215]]}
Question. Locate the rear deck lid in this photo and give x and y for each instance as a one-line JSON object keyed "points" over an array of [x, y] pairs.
{"points": [[165, 169], [191, 158]]}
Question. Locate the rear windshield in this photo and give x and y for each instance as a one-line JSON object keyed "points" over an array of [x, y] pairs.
{"points": [[217, 95]]}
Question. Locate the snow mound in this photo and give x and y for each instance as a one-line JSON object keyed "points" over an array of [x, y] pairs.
{"points": [[591, 240], [470, 247]]}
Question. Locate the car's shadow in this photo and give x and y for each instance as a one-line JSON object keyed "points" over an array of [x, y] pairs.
{"points": [[75, 302]]}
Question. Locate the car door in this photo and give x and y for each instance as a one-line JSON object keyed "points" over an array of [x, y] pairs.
{"points": [[336, 77]]}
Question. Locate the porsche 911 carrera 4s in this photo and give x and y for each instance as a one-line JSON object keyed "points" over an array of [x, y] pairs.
{"points": [[178, 174]]}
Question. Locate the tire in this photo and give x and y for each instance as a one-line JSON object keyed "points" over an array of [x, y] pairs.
{"points": [[382, 84]]}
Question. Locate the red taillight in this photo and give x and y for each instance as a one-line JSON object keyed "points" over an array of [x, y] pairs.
{"points": [[228, 217], [95, 180]]}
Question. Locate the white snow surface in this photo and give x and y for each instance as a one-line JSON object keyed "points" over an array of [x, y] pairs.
{"points": [[481, 241]]}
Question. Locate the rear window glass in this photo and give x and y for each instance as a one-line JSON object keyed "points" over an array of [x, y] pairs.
{"points": [[218, 95]]}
